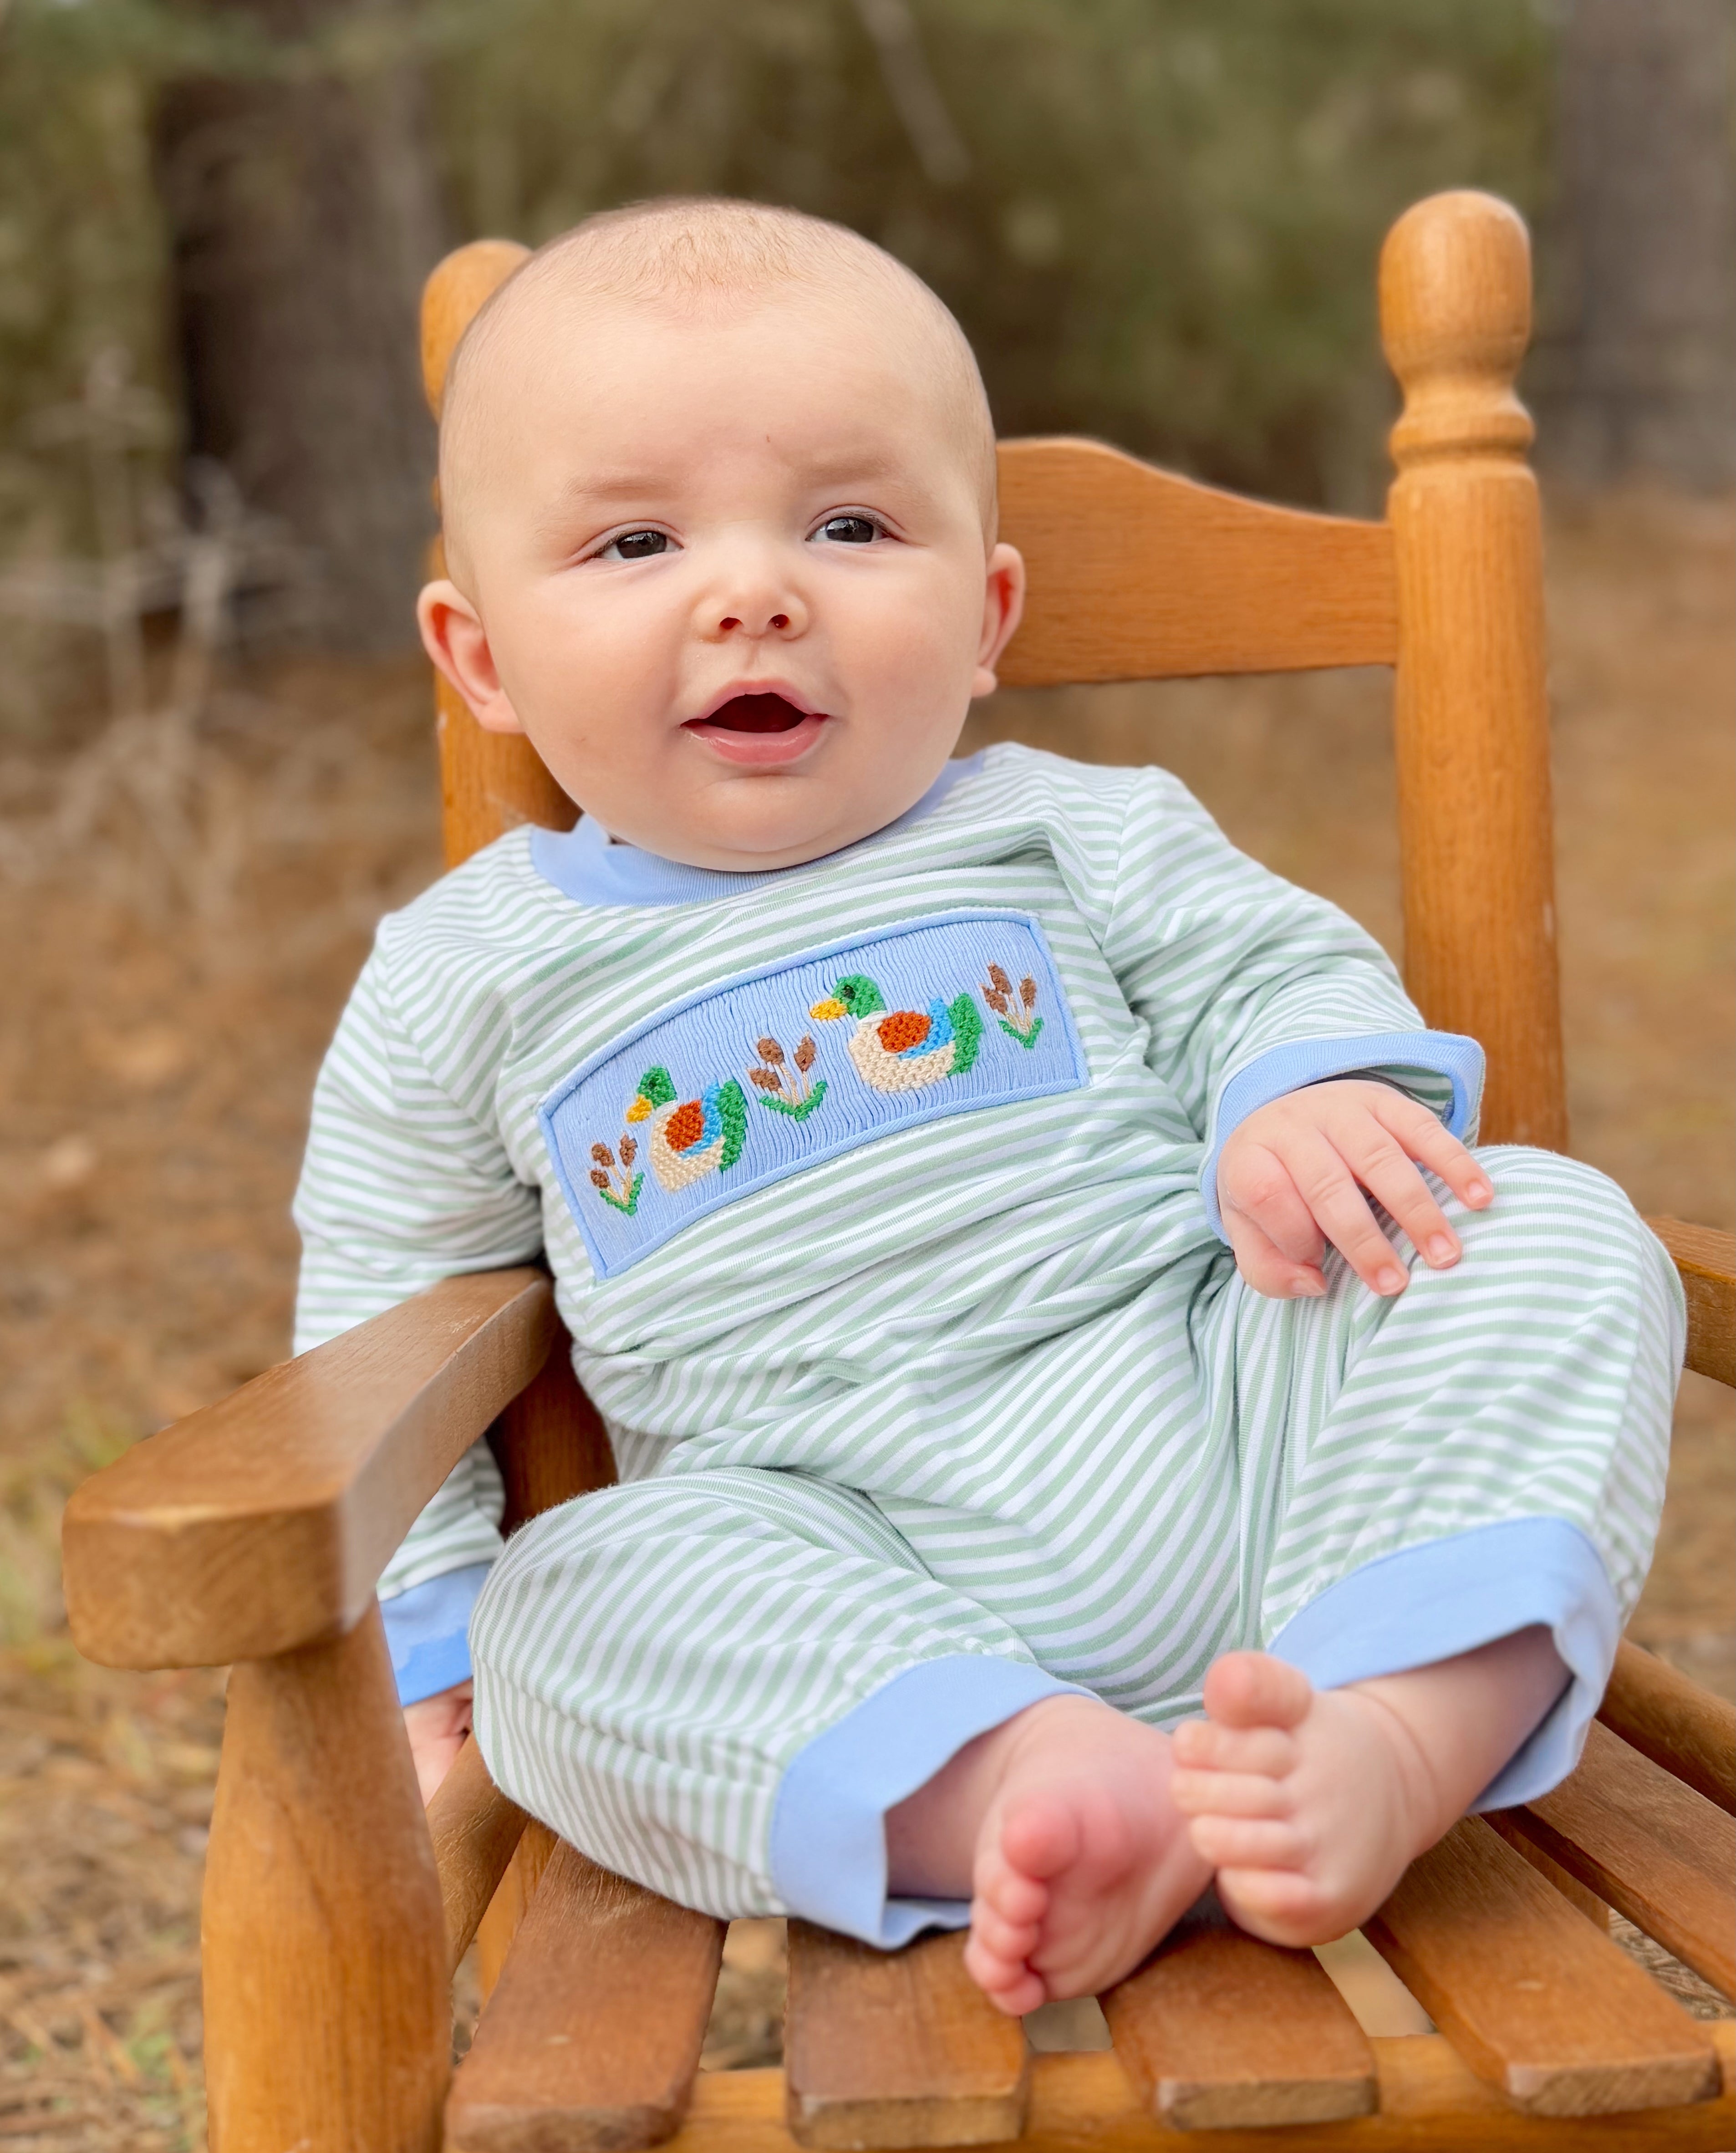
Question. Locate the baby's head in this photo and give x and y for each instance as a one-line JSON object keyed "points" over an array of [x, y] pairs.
{"points": [[718, 486]]}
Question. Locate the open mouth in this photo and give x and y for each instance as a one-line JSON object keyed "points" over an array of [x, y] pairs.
{"points": [[756, 714], [759, 728]]}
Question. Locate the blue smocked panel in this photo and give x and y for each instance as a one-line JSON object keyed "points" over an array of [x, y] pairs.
{"points": [[769, 1072]]}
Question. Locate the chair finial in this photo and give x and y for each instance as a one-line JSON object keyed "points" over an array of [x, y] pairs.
{"points": [[1455, 304], [452, 296]]}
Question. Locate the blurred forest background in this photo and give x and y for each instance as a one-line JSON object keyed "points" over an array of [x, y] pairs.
{"points": [[1158, 222]]}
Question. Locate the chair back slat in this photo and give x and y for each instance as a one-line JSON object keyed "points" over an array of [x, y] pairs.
{"points": [[1136, 574], [592, 2037], [897, 2048], [1654, 1850], [1536, 2000], [1219, 2031], [1655, 1708]]}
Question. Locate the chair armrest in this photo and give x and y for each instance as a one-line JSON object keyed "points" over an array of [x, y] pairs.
{"points": [[263, 1522], [1706, 1261]]}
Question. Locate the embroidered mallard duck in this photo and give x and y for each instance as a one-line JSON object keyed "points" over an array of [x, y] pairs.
{"points": [[689, 1138], [899, 1050]]}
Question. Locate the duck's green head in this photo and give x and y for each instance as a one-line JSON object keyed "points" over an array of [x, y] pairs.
{"points": [[854, 995], [656, 1088]]}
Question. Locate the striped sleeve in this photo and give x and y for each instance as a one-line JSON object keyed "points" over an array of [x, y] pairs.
{"points": [[401, 1188], [1252, 987]]}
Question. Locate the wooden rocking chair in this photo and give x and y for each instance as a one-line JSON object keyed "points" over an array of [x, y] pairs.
{"points": [[254, 1532]]}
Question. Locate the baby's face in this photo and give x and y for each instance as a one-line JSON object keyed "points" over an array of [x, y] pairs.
{"points": [[728, 572]]}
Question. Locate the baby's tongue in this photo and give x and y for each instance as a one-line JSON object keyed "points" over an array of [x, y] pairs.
{"points": [[756, 714]]}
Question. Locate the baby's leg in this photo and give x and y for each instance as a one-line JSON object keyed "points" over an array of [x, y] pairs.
{"points": [[1462, 1477], [1310, 1804], [1059, 1828]]}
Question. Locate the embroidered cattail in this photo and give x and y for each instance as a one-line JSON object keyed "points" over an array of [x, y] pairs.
{"points": [[996, 1001], [1001, 979], [805, 1053], [599, 1179], [768, 1080], [602, 1155], [768, 1049], [629, 1151], [1028, 992]]}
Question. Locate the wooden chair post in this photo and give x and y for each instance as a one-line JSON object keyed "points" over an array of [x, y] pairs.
{"points": [[328, 2007], [1472, 713]]}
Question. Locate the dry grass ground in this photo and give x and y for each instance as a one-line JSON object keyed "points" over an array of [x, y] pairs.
{"points": [[182, 917]]}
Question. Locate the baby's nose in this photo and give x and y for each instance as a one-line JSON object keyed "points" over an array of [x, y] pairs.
{"points": [[775, 623]]}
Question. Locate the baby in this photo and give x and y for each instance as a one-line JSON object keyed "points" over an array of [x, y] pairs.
{"points": [[1087, 1424]]}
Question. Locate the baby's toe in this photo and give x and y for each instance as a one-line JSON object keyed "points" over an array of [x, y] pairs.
{"points": [[1009, 1985], [1229, 1794], [1014, 1897], [1282, 1905], [1040, 1837], [1252, 1689], [1204, 1744], [1246, 1842], [1012, 1942]]}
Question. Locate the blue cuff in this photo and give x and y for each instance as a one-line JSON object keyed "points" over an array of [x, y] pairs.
{"points": [[1429, 1602], [1283, 1069], [828, 1824], [428, 1630]]}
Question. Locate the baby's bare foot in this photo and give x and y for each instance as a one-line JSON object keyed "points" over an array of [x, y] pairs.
{"points": [[1083, 1861], [1309, 1804]]}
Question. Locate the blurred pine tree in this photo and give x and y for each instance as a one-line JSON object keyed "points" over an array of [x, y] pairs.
{"points": [[1157, 222]]}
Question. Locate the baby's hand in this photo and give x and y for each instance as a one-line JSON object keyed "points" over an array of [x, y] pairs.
{"points": [[437, 1727], [1288, 1184]]}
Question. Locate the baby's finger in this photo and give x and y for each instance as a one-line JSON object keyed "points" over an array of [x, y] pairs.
{"points": [[1427, 1139], [1256, 1182], [1265, 1267], [1379, 1162], [1329, 1190]]}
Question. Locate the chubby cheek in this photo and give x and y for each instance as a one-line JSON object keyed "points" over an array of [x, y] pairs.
{"points": [[590, 683], [909, 665]]}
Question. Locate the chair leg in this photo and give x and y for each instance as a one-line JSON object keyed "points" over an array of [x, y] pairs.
{"points": [[328, 2011]]}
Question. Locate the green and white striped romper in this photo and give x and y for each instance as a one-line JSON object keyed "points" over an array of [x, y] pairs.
{"points": [[878, 1197]]}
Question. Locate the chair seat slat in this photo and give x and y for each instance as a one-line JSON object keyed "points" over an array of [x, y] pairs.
{"points": [[1531, 1996], [897, 2048], [592, 2035], [1217, 2031], [1656, 1710], [1653, 1849]]}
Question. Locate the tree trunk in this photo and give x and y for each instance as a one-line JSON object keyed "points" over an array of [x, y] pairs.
{"points": [[302, 210], [1636, 374]]}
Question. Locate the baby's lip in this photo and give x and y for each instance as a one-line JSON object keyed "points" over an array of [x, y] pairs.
{"points": [[759, 722]]}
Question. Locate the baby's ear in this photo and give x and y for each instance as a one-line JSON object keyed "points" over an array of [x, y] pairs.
{"points": [[1003, 606], [456, 640]]}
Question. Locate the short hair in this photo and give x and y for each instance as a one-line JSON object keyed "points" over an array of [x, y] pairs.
{"points": [[711, 248]]}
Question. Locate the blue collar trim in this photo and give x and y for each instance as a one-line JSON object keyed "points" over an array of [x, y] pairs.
{"points": [[583, 865]]}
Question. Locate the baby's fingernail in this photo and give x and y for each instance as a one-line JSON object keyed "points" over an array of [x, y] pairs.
{"points": [[1477, 1192], [1389, 1280], [1442, 1249], [1308, 1286]]}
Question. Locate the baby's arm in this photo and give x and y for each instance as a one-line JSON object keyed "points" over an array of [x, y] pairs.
{"points": [[1291, 1177]]}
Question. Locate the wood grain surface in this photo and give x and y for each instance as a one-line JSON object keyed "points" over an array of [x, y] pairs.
{"points": [[1707, 1261], [1471, 714], [456, 290], [1648, 1846], [474, 1828], [550, 1442], [1656, 1710], [1429, 2103], [1136, 574], [263, 1522], [1217, 2030], [592, 2037], [888, 2049], [328, 2013], [1532, 1996]]}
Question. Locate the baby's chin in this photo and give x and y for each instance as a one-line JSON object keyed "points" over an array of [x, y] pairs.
{"points": [[742, 822]]}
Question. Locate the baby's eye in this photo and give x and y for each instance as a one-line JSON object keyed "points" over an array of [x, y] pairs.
{"points": [[635, 545], [851, 530]]}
